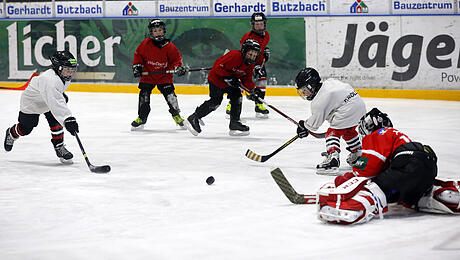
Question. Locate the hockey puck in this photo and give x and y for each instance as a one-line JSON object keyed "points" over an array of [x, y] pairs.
{"points": [[210, 180]]}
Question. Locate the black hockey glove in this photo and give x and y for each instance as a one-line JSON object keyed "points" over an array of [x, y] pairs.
{"points": [[258, 71], [266, 54], [137, 70], [255, 94], [71, 125], [179, 71], [66, 97], [302, 131], [232, 81]]}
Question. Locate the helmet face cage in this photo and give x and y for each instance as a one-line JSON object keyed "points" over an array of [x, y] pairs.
{"points": [[155, 23], [372, 121], [64, 64], [258, 17], [308, 79], [248, 45]]}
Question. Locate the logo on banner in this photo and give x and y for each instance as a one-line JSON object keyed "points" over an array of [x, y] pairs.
{"points": [[359, 7], [130, 10]]}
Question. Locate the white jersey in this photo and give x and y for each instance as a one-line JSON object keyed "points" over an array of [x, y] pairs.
{"points": [[338, 103], [45, 93]]}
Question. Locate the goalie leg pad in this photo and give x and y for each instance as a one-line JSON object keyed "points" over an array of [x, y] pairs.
{"points": [[442, 199], [355, 201]]}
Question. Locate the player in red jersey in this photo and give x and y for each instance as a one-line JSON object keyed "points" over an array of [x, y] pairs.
{"points": [[260, 34], [392, 168], [157, 53], [229, 71]]}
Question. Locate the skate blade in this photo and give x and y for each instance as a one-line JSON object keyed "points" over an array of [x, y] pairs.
{"points": [[260, 115], [238, 133], [328, 172], [183, 127], [137, 128], [66, 162], [190, 128]]}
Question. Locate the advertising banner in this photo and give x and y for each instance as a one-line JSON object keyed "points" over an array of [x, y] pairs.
{"points": [[130, 8], [29, 10], [79, 9], [407, 52], [238, 7], [359, 7], [181, 8], [298, 7], [2, 12], [423, 6], [105, 47]]}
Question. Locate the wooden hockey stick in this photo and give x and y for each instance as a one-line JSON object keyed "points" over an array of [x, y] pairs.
{"points": [[289, 191], [95, 169], [172, 71], [316, 135], [262, 158]]}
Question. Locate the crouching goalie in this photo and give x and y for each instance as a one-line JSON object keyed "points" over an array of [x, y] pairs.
{"points": [[390, 169]]}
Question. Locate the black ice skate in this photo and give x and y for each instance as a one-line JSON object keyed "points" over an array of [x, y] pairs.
{"points": [[64, 155], [330, 165], [9, 141], [193, 124], [238, 129], [138, 124], [261, 111]]}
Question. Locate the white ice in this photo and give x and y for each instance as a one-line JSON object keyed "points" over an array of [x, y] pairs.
{"points": [[155, 203]]}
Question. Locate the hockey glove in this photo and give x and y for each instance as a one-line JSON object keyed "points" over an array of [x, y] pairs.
{"points": [[255, 94], [71, 125], [66, 97], [266, 54], [179, 71], [232, 81], [302, 131], [137, 70], [258, 71]]}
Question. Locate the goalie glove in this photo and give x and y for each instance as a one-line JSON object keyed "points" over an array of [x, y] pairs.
{"points": [[302, 131], [180, 71], [255, 94], [137, 70], [232, 81]]}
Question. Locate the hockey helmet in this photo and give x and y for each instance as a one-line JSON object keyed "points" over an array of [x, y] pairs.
{"points": [[248, 45], [258, 17], [308, 83], [64, 64], [157, 23], [373, 120]]}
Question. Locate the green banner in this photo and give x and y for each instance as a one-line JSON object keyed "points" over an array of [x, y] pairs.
{"points": [[105, 47]]}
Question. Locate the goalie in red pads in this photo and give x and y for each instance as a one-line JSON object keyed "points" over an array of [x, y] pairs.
{"points": [[391, 169]]}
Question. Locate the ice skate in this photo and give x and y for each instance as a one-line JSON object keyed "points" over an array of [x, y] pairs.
{"points": [[193, 124], [138, 124], [227, 111], [238, 129], [330, 165], [64, 155], [9, 141], [261, 111], [179, 121]]}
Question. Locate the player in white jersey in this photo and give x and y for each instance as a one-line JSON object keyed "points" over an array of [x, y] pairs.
{"points": [[45, 95], [339, 104]]}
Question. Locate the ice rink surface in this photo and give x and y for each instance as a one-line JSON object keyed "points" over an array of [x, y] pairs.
{"points": [[155, 203]]}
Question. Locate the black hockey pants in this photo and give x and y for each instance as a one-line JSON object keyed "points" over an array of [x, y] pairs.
{"points": [[216, 95], [144, 99]]}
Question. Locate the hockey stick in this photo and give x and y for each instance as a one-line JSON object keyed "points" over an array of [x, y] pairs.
{"points": [[316, 135], [262, 158], [172, 71], [289, 191], [95, 169]]}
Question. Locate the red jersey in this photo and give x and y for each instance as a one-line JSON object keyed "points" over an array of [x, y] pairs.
{"points": [[231, 64], [262, 40], [157, 59]]}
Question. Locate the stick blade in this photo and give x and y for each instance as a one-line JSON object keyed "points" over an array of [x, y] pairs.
{"points": [[287, 188], [253, 156], [100, 169]]}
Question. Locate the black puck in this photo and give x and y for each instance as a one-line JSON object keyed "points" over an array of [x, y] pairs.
{"points": [[210, 180]]}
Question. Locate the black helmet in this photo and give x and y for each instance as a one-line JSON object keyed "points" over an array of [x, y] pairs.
{"points": [[258, 17], [248, 45], [157, 23], [61, 60], [308, 78], [373, 120]]}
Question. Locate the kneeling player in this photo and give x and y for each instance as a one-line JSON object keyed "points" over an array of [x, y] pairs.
{"points": [[391, 169]]}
